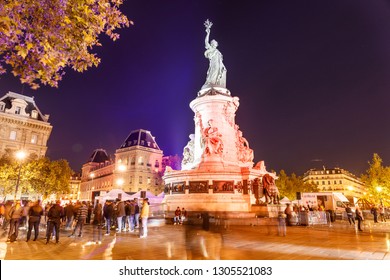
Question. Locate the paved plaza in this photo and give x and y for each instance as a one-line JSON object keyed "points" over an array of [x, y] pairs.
{"points": [[339, 241]]}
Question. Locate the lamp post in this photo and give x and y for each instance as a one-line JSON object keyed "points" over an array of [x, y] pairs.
{"points": [[20, 155]]}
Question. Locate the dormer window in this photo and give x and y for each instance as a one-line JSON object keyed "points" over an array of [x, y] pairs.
{"points": [[2, 106], [18, 109], [34, 114]]}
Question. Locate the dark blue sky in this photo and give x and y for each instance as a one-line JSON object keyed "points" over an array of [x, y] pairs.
{"points": [[312, 78]]}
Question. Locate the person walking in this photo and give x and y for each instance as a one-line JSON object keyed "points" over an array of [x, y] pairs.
{"points": [[120, 213], [97, 223], [81, 216], [69, 213], [359, 217], [35, 213], [350, 217], [7, 217], [56, 212], [108, 212], [374, 212], [382, 213], [183, 215], [137, 213], [132, 216], [15, 214], [144, 218]]}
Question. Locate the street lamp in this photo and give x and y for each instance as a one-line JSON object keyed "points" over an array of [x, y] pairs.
{"points": [[20, 156]]}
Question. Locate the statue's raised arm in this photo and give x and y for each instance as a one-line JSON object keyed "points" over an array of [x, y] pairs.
{"points": [[216, 74]]}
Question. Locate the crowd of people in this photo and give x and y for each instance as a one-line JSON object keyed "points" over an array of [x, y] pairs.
{"points": [[116, 215]]}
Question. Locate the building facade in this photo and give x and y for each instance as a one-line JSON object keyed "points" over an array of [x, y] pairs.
{"points": [[137, 167], [138, 164], [22, 125], [74, 188], [96, 175], [336, 180]]}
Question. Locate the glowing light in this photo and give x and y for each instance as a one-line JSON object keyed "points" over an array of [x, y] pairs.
{"points": [[379, 188], [20, 155], [120, 181], [121, 168]]}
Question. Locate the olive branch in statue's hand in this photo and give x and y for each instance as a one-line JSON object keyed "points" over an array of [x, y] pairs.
{"points": [[208, 24]]}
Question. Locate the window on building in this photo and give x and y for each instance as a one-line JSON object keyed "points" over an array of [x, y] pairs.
{"points": [[156, 181], [328, 182], [34, 114], [131, 179], [2, 106], [18, 109], [327, 171], [149, 181], [12, 135], [340, 182], [335, 182], [157, 164], [140, 180], [140, 161], [323, 182], [34, 139], [132, 161]]}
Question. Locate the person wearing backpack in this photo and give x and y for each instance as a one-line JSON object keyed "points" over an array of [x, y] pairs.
{"points": [[54, 221]]}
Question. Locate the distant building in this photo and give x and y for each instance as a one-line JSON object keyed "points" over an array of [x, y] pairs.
{"points": [[138, 163], [22, 125], [336, 180], [96, 175], [74, 188], [137, 167]]}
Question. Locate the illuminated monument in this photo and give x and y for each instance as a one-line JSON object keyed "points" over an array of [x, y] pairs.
{"points": [[217, 167]]}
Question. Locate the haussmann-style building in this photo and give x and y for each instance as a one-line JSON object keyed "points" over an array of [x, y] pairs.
{"points": [[336, 180], [22, 125], [137, 166]]}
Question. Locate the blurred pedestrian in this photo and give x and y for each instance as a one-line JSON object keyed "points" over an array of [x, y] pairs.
{"points": [[382, 213], [69, 214], [144, 218], [35, 213], [359, 217], [120, 213], [97, 223], [108, 212], [15, 213], [81, 216], [7, 217], [350, 217], [374, 212], [54, 216]]}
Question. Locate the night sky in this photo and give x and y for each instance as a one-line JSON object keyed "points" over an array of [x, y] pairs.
{"points": [[312, 78]]}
